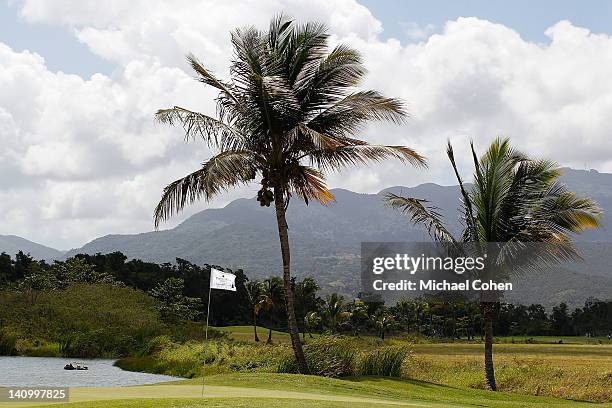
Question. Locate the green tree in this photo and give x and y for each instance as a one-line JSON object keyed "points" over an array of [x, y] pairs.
{"points": [[358, 315], [561, 320], [37, 279], [513, 199], [312, 321], [173, 304], [334, 312], [255, 291], [406, 313], [289, 113], [383, 321], [306, 299], [272, 296], [78, 270]]}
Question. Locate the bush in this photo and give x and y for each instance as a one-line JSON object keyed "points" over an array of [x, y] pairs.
{"points": [[97, 343], [86, 320], [38, 348], [385, 361], [8, 343], [328, 356], [162, 355]]}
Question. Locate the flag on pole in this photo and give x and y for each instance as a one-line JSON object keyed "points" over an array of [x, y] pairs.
{"points": [[222, 280]]}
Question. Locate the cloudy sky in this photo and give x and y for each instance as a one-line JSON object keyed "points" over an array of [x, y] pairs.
{"points": [[80, 80]]}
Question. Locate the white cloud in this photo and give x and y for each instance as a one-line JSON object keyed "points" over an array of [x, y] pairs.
{"points": [[415, 31], [84, 157]]}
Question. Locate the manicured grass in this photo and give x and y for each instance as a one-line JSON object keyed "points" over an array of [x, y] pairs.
{"points": [[554, 339], [245, 333], [286, 390]]}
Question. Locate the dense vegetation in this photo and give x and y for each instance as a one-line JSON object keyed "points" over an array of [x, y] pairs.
{"points": [[105, 305]]}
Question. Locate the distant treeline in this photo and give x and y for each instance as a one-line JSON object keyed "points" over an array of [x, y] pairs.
{"points": [[181, 293]]}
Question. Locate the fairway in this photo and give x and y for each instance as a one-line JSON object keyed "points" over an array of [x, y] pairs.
{"points": [[277, 390]]}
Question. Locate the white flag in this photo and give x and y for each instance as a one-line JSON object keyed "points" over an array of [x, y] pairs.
{"points": [[222, 280]]}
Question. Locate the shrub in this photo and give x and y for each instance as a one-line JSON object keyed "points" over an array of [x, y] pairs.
{"points": [[38, 348], [385, 361], [96, 343], [162, 355], [328, 356], [8, 343]]}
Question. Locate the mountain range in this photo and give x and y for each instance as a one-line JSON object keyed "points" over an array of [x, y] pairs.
{"points": [[325, 240], [12, 244]]}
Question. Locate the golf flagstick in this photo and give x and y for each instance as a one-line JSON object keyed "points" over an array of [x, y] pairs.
{"points": [[218, 280], [206, 335]]}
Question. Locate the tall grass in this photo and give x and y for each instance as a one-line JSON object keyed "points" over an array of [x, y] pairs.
{"points": [[327, 356], [332, 356], [385, 361], [161, 355], [8, 343]]}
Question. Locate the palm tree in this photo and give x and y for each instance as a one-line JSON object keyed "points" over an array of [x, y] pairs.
{"points": [[306, 299], [289, 113], [514, 200], [271, 299], [334, 311], [312, 320], [383, 321], [255, 292]]}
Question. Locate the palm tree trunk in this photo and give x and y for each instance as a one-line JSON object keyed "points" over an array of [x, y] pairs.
{"points": [[487, 314], [255, 325], [283, 234]]}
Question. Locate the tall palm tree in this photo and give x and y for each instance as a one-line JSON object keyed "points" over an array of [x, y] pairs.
{"points": [[289, 113], [514, 200], [255, 292]]}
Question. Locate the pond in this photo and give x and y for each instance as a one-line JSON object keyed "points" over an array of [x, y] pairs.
{"points": [[49, 371]]}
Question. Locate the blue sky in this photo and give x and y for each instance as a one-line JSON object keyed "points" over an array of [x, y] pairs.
{"points": [[529, 17], [63, 52]]}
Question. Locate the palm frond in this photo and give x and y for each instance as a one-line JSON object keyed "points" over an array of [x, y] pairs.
{"points": [[303, 138], [350, 113], [329, 79], [421, 214], [563, 211], [345, 156], [220, 173], [215, 132], [206, 77], [310, 184], [470, 232]]}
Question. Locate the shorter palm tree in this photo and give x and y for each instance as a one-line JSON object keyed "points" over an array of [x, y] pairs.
{"points": [[514, 200], [272, 300], [383, 321], [306, 299], [255, 291], [334, 311], [312, 321]]}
